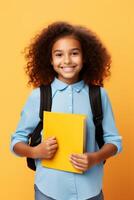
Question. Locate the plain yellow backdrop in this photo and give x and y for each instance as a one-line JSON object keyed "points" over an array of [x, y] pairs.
{"points": [[113, 21]]}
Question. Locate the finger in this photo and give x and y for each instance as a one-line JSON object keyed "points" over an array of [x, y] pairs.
{"points": [[52, 152], [78, 160], [82, 158], [51, 138], [51, 142], [80, 164], [77, 155], [78, 167], [54, 147]]}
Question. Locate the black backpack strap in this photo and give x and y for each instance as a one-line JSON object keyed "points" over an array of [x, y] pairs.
{"points": [[96, 106], [45, 99], [35, 136]]}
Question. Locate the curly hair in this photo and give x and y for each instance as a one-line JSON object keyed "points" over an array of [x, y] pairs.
{"points": [[96, 59]]}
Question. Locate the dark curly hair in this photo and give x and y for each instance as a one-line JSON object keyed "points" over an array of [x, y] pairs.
{"points": [[96, 66]]}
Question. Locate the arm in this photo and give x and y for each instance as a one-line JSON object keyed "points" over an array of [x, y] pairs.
{"points": [[111, 138], [45, 150], [85, 161], [28, 122]]}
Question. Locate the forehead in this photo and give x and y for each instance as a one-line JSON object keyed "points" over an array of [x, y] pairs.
{"points": [[68, 42]]}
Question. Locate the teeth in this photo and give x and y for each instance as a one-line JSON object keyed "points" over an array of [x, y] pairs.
{"points": [[67, 69]]}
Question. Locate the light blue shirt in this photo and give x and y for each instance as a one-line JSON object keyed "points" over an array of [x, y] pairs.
{"points": [[73, 98]]}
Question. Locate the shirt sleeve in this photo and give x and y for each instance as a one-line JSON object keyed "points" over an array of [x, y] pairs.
{"points": [[29, 119], [111, 134]]}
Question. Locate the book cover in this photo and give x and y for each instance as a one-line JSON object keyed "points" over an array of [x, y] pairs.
{"points": [[70, 132]]}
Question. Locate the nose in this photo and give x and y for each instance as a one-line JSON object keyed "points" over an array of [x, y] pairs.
{"points": [[67, 59]]}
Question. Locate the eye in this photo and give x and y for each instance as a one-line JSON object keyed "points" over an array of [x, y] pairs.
{"points": [[58, 54], [75, 53]]}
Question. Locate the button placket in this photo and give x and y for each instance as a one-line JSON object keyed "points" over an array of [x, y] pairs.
{"points": [[70, 99]]}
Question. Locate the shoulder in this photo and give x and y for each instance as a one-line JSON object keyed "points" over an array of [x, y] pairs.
{"points": [[33, 99], [35, 93], [104, 93], [106, 102]]}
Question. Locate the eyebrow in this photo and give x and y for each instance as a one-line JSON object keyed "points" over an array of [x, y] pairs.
{"points": [[60, 50]]}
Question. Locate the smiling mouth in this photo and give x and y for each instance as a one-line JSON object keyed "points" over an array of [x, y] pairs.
{"points": [[68, 69]]}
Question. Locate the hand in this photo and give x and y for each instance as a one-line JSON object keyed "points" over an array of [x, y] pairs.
{"points": [[83, 161], [46, 149]]}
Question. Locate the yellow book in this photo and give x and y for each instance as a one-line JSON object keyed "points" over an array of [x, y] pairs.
{"points": [[70, 132]]}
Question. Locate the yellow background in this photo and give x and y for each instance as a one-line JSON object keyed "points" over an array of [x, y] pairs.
{"points": [[113, 21]]}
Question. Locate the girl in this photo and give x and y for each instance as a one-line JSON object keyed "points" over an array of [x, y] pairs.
{"points": [[68, 57]]}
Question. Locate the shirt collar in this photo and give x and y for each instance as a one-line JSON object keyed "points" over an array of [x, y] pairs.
{"points": [[60, 85]]}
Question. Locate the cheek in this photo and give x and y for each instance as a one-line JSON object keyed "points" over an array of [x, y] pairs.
{"points": [[78, 59], [56, 61]]}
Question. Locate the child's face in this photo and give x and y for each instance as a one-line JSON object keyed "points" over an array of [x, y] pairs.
{"points": [[67, 59]]}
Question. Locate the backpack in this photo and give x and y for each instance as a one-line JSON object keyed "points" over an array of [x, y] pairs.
{"points": [[46, 103]]}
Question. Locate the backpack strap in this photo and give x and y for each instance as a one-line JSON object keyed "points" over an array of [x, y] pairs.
{"points": [[45, 99], [96, 106]]}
